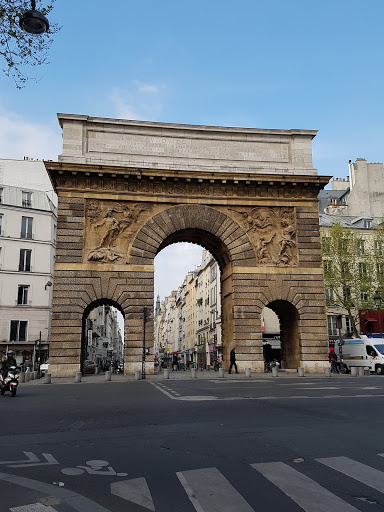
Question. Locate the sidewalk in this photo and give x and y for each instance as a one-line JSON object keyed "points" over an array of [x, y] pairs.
{"points": [[185, 375]]}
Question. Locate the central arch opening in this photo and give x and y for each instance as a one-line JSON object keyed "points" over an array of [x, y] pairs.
{"points": [[188, 310]]}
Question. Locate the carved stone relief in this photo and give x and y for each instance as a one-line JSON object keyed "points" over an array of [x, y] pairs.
{"points": [[109, 229], [273, 233]]}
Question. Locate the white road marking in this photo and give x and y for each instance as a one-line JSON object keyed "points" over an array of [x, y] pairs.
{"points": [[308, 494], [365, 474], [210, 491], [325, 387], [34, 507], [201, 398], [48, 457], [31, 457], [135, 490]]}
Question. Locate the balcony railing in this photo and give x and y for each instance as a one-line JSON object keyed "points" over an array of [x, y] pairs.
{"points": [[26, 204], [23, 304], [26, 236]]}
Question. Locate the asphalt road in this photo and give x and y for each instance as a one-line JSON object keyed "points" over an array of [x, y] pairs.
{"points": [[212, 445]]}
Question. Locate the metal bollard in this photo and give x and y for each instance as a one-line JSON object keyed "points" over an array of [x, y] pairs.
{"points": [[107, 375], [247, 372], [48, 378], [78, 377], [27, 376], [22, 377], [361, 371], [193, 373], [97, 370], [221, 372], [300, 371], [354, 371], [138, 375], [367, 372], [327, 372], [166, 373], [275, 371]]}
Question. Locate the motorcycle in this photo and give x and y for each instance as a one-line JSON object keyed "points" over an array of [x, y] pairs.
{"points": [[10, 382]]}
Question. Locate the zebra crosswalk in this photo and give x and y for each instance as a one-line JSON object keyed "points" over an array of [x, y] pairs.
{"points": [[208, 490]]}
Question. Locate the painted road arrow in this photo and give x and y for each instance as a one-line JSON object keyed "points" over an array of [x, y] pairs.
{"points": [[135, 490], [31, 460]]}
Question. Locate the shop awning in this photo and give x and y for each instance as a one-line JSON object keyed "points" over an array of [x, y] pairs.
{"points": [[371, 319]]}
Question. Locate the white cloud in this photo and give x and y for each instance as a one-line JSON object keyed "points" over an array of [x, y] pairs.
{"points": [[172, 264], [20, 137], [139, 101], [141, 87]]}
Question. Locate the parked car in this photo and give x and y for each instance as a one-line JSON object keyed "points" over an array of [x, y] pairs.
{"points": [[89, 367]]}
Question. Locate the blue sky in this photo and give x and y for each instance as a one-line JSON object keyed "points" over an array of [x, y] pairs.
{"points": [[276, 64]]}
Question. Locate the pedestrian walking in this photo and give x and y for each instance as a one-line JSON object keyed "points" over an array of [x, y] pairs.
{"points": [[232, 358], [333, 360]]}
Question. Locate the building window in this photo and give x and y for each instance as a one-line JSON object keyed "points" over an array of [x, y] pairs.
{"points": [[361, 247], [367, 224], [363, 270], [18, 330], [214, 295], [327, 267], [364, 296], [26, 227], [1, 225], [378, 248], [379, 269], [348, 324], [329, 296], [25, 260], [332, 329], [1, 196], [26, 199], [22, 295]]}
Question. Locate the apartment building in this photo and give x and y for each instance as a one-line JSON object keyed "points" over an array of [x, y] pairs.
{"points": [[27, 249]]}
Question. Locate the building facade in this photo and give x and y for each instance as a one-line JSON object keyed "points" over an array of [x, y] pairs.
{"points": [[357, 204], [27, 250]]}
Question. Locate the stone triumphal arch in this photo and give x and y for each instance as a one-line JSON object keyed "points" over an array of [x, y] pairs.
{"points": [[128, 189]]}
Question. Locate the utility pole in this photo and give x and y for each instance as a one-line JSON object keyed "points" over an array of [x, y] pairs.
{"points": [[39, 353], [144, 348], [341, 341]]}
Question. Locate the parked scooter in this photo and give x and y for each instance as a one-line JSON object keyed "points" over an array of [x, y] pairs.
{"points": [[10, 382]]}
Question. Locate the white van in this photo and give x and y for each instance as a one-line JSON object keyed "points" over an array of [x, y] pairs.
{"points": [[365, 352]]}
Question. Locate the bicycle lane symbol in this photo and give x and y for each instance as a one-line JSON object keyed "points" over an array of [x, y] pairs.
{"points": [[93, 467]]}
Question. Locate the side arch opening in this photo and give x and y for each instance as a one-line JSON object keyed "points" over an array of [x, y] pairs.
{"points": [[289, 320], [102, 337]]}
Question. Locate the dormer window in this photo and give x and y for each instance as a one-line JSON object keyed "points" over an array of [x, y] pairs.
{"points": [[367, 224], [26, 199]]}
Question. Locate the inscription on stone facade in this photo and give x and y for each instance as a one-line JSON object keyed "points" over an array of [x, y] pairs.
{"points": [[251, 151], [273, 233], [110, 227]]}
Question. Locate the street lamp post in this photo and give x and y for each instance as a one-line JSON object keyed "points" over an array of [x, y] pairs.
{"points": [[144, 348], [377, 301], [33, 22]]}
